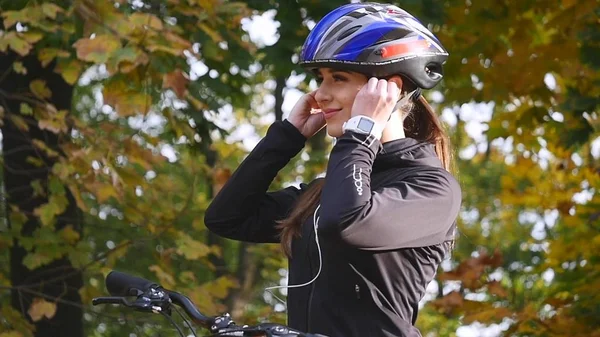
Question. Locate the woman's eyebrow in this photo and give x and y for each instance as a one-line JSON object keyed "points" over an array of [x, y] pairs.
{"points": [[341, 71]]}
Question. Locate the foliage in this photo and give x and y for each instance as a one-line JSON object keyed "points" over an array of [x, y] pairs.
{"points": [[530, 191]]}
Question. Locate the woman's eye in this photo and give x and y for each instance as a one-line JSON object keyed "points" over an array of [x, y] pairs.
{"points": [[338, 78]]}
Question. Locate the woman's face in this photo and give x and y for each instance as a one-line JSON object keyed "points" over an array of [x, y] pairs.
{"points": [[335, 96]]}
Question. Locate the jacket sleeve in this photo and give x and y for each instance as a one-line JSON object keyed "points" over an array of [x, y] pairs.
{"points": [[243, 209], [413, 212]]}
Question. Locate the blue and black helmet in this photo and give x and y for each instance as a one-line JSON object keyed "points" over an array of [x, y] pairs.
{"points": [[378, 40]]}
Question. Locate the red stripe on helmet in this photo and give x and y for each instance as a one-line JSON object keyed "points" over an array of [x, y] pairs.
{"points": [[405, 47]]}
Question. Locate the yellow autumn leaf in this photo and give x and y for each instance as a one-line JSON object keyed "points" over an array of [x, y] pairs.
{"points": [[39, 89], [32, 36], [98, 49], [103, 192], [146, 20], [165, 279], [220, 287], [19, 68], [487, 315], [70, 70], [213, 34], [41, 308], [55, 122], [19, 122], [44, 147], [126, 101], [17, 44], [191, 249]]}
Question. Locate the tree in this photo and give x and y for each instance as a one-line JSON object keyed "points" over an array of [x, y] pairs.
{"points": [[526, 245], [63, 156]]}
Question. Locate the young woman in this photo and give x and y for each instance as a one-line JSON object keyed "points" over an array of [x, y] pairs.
{"points": [[364, 242]]}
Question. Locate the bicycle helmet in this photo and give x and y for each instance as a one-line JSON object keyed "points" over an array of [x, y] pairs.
{"points": [[376, 39]]}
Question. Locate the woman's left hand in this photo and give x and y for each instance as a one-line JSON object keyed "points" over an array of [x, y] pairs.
{"points": [[376, 99]]}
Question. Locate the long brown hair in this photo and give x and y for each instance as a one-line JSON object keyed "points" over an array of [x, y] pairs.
{"points": [[421, 123]]}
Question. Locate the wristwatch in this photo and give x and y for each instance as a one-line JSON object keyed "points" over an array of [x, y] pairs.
{"points": [[363, 125]]}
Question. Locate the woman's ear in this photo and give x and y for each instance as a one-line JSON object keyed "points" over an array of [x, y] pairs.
{"points": [[396, 79]]}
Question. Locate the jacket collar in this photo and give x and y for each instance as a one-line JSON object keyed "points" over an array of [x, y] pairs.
{"points": [[406, 152]]}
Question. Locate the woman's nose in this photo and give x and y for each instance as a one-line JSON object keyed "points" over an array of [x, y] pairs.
{"points": [[322, 95]]}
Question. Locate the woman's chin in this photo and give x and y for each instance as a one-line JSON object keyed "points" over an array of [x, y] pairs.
{"points": [[334, 131]]}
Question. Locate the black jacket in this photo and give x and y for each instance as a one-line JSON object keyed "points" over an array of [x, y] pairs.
{"points": [[386, 220]]}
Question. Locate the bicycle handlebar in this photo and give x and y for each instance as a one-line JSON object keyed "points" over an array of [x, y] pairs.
{"points": [[151, 297], [121, 284]]}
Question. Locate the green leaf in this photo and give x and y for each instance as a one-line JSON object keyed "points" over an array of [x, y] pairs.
{"points": [[39, 89], [50, 10], [32, 36], [69, 235], [26, 109], [12, 17], [55, 186], [35, 260], [38, 190], [17, 218], [19, 122], [47, 213], [46, 55]]}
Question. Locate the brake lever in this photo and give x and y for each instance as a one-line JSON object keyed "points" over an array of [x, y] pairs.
{"points": [[277, 330], [153, 300], [111, 300]]}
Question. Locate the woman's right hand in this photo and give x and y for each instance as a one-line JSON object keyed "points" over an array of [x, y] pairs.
{"points": [[303, 117]]}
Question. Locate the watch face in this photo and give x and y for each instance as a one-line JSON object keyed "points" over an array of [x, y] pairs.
{"points": [[365, 125]]}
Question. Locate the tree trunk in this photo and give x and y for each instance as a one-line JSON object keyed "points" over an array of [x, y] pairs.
{"points": [[58, 281]]}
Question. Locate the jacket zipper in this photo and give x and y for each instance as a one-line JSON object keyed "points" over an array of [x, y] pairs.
{"points": [[357, 290]]}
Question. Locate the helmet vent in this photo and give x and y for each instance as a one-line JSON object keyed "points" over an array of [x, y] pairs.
{"points": [[348, 32]]}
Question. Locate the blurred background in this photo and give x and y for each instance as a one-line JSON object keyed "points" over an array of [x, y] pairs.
{"points": [[121, 119]]}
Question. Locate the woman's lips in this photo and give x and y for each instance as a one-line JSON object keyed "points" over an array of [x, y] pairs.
{"points": [[328, 113]]}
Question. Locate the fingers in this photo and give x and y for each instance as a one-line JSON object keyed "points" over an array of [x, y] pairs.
{"points": [[312, 101], [393, 90], [383, 88], [372, 84]]}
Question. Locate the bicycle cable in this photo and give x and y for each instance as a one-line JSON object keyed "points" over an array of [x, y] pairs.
{"points": [[173, 322], [185, 320]]}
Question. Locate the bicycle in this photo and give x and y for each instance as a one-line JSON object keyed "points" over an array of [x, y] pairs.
{"points": [[152, 298]]}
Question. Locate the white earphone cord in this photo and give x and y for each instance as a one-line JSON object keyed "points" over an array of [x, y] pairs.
{"points": [[316, 226]]}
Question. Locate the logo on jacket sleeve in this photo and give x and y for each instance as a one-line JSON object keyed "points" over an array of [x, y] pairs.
{"points": [[357, 176]]}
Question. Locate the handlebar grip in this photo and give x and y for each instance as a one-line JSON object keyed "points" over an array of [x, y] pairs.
{"points": [[121, 284]]}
